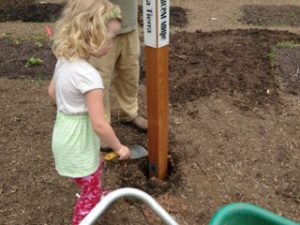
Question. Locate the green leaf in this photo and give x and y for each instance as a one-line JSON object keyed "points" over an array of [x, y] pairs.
{"points": [[33, 61]]}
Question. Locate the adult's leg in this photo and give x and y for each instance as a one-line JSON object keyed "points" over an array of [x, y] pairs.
{"points": [[126, 82], [106, 67]]}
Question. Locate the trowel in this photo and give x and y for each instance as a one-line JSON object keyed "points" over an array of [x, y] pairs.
{"points": [[136, 152]]}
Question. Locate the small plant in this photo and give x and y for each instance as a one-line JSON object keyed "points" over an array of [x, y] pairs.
{"points": [[40, 79], [272, 55], [33, 62], [292, 14], [18, 42], [53, 19], [39, 44]]}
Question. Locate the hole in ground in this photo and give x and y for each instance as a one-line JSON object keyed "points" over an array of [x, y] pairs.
{"points": [[136, 175]]}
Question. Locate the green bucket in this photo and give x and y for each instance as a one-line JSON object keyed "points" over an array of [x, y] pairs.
{"points": [[247, 214]]}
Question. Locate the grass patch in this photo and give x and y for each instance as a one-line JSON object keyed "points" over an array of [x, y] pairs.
{"points": [[40, 39], [292, 14], [287, 44], [281, 45]]}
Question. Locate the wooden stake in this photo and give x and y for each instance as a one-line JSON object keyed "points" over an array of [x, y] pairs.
{"points": [[157, 103], [156, 29]]}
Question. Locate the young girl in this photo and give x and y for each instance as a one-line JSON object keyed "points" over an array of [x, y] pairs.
{"points": [[84, 30]]}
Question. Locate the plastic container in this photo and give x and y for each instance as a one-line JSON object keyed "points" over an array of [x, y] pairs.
{"points": [[247, 214]]}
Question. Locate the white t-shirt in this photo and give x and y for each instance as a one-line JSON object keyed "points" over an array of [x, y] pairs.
{"points": [[72, 80]]}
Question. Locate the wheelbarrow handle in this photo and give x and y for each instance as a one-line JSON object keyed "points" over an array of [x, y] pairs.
{"points": [[99, 209]]}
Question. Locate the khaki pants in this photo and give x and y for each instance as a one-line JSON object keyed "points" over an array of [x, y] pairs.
{"points": [[120, 70]]}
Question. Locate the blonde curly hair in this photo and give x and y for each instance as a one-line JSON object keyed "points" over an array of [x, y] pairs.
{"points": [[82, 28]]}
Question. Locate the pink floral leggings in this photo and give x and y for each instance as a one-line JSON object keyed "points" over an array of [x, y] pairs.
{"points": [[91, 192]]}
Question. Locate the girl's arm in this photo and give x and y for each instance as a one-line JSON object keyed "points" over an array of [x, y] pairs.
{"points": [[94, 99], [51, 90]]}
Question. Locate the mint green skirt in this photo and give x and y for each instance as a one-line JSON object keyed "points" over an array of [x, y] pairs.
{"points": [[75, 146]]}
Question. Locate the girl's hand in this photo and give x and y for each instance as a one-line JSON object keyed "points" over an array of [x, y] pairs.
{"points": [[123, 152]]}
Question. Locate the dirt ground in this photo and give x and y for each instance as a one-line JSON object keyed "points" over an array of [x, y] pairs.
{"points": [[234, 121], [271, 15], [226, 14]]}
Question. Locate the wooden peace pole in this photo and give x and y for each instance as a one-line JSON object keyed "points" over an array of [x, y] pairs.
{"points": [[156, 31]]}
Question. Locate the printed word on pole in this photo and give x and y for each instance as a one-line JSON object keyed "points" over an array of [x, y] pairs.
{"points": [[156, 22]]}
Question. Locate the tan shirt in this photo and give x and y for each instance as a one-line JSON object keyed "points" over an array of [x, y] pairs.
{"points": [[129, 10]]}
